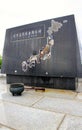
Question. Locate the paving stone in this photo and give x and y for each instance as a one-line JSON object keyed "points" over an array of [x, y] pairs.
{"points": [[71, 123], [24, 99], [73, 107], [33, 92], [4, 128], [79, 96], [61, 93], [26, 118], [55, 93]]}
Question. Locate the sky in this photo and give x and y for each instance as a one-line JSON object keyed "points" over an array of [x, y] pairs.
{"points": [[19, 12]]}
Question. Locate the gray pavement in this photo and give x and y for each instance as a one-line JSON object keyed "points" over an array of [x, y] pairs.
{"points": [[49, 110]]}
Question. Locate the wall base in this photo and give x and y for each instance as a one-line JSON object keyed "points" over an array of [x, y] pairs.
{"points": [[48, 82]]}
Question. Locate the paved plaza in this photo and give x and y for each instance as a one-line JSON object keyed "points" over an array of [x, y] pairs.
{"points": [[36, 110]]}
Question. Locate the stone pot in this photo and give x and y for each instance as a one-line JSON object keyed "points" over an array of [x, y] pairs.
{"points": [[16, 88]]}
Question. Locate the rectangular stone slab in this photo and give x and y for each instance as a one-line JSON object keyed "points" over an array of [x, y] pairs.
{"points": [[73, 107], [25, 99], [27, 118], [4, 128], [71, 123], [56, 93]]}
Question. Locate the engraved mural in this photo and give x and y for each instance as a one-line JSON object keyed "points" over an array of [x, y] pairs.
{"points": [[45, 52]]}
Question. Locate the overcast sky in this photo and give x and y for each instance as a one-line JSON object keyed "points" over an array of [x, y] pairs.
{"points": [[19, 12]]}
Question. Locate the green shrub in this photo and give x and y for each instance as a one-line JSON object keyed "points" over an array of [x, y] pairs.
{"points": [[0, 61]]}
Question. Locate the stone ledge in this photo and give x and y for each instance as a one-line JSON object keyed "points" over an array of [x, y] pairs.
{"points": [[2, 75]]}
